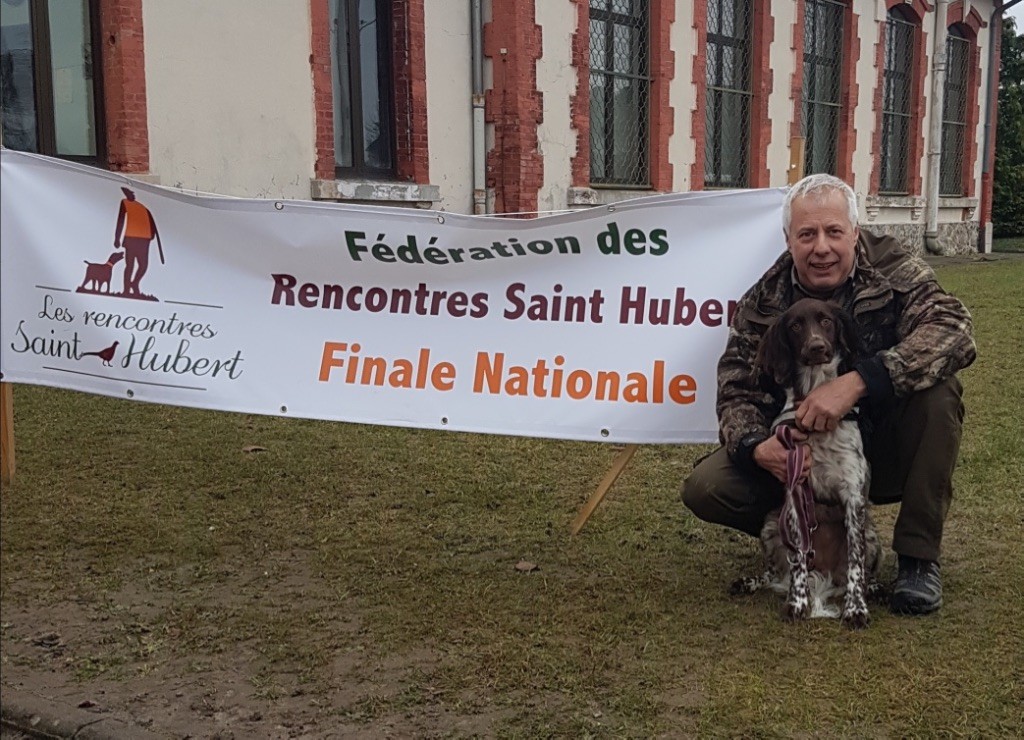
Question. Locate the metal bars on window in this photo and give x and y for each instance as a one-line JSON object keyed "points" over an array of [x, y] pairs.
{"points": [[620, 85], [954, 113], [823, 65], [729, 93], [897, 87]]}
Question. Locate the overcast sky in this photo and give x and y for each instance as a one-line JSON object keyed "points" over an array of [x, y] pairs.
{"points": [[1017, 11]]}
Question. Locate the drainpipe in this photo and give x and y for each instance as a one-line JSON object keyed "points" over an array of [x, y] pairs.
{"points": [[479, 152], [995, 28], [931, 231]]}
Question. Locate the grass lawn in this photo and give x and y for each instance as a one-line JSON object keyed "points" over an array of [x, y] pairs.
{"points": [[362, 580]]}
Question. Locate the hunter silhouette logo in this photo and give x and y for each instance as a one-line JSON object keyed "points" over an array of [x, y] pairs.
{"points": [[135, 230]]}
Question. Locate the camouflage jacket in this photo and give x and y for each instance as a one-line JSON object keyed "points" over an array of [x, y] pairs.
{"points": [[914, 333]]}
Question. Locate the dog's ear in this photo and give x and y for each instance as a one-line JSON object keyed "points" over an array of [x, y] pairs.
{"points": [[846, 335], [774, 355]]}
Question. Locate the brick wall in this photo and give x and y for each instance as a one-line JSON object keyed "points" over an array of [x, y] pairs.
{"points": [[124, 85], [986, 176], [663, 71], [579, 103], [409, 67], [514, 105]]}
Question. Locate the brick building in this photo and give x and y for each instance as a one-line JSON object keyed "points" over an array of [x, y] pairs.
{"points": [[519, 106]]}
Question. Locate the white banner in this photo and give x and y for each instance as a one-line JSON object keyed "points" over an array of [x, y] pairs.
{"points": [[603, 325]]}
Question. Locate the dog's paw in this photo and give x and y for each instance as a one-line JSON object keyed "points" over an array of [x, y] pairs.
{"points": [[877, 592], [742, 586], [796, 611], [855, 619]]}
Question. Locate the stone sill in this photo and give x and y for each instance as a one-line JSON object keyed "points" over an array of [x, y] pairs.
{"points": [[589, 197], [916, 205], [376, 192], [961, 202]]}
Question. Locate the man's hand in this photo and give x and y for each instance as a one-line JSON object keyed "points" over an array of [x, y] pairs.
{"points": [[772, 456], [117, 244], [827, 404]]}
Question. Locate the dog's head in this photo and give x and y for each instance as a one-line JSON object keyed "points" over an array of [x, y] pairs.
{"points": [[115, 257], [810, 332]]}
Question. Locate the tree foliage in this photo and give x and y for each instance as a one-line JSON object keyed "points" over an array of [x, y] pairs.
{"points": [[1008, 181]]}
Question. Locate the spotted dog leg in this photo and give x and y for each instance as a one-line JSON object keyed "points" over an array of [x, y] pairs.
{"points": [[798, 602], [855, 608]]}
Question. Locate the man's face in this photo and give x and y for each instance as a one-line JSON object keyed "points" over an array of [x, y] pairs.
{"points": [[822, 240]]}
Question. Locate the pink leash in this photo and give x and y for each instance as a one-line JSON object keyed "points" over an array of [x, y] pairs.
{"points": [[799, 498]]}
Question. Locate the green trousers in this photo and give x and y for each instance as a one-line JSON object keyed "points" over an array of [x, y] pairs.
{"points": [[912, 453]]}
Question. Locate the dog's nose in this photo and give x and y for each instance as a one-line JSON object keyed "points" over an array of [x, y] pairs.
{"points": [[817, 351]]}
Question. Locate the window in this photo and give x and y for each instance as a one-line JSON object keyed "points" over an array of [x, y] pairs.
{"points": [[823, 65], [727, 113], [50, 83], [361, 86], [897, 85], [954, 112], [620, 85]]}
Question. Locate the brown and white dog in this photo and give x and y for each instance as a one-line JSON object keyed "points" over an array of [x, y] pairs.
{"points": [[803, 349]]}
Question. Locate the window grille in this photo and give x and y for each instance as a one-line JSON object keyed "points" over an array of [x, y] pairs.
{"points": [[729, 93], [361, 87], [954, 113], [620, 86], [823, 65], [897, 87]]}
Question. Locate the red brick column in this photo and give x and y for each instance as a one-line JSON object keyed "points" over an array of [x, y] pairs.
{"points": [[323, 105], [124, 85], [763, 33], [663, 66], [579, 102], [849, 97], [796, 82], [515, 168], [409, 67], [698, 123], [996, 37]]}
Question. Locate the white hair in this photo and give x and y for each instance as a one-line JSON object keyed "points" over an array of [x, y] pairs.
{"points": [[820, 185]]}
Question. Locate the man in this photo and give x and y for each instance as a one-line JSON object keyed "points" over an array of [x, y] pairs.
{"points": [[139, 231], [916, 337]]}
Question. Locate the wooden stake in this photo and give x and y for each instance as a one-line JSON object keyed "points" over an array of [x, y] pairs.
{"points": [[618, 465], [7, 431]]}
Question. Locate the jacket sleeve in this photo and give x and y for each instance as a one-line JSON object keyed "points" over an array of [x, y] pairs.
{"points": [[743, 406], [936, 334]]}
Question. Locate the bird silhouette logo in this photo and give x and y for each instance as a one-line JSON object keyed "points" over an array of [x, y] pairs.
{"points": [[106, 354]]}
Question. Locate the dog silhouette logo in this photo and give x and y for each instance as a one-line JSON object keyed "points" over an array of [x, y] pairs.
{"points": [[133, 234]]}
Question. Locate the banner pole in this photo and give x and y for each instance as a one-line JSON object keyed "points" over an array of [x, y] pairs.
{"points": [[618, 465], [7, 431]]}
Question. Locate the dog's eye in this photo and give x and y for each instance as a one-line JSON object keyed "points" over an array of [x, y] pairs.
{"points": [[826, 322]]}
